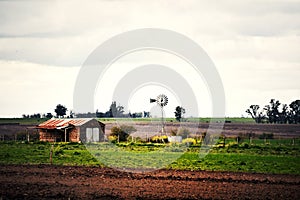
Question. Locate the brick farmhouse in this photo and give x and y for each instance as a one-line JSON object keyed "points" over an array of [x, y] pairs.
{"points": [[72, 130]]}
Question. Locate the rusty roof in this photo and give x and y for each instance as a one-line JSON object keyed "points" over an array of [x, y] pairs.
{"points": [[56, 123]]}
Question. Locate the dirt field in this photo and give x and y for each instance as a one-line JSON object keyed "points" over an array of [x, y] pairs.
{"points": [[230, 129], [63, 182]]}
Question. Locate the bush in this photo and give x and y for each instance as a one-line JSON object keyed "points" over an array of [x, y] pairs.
{"points": [[41, 147], [41, 142], [76, 153], [160, 139], [189, 141], [245, 146], [184, 132], [112, 139], [122, 132], [232, 145], [58, 152]]}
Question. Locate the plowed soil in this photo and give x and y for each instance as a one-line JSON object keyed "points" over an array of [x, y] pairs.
{"points": [[73, 182], [279, 131]]}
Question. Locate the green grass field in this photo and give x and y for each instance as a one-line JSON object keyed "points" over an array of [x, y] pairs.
{"points": [[22, 121], [282, 158]]}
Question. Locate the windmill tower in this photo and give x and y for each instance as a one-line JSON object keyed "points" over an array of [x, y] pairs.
{"points": [[161, 100]]}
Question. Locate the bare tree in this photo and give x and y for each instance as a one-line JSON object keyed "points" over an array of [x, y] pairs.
{"points": [[255, 113]]}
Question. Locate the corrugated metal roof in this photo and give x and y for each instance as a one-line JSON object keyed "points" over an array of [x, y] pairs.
{"points": [[56, 123]]}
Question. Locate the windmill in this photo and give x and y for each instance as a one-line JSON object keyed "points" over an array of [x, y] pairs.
{"points": [[161, 100]]}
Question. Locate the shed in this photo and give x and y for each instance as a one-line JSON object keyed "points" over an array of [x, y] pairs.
{"points": [[72, 130]]}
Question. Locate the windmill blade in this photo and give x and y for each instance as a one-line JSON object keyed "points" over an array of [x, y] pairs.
{"points": [[162, 100]]}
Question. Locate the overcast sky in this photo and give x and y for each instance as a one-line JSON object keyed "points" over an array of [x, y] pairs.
{"points": [[255, 46]]}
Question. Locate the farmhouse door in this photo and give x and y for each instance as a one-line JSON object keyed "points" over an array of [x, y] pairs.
{"points": [[92, 135]]}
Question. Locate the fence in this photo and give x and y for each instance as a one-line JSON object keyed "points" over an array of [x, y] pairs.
{"points": [[17, 132]]}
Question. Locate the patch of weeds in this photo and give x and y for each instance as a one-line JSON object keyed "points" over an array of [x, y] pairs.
{"points": [[76, 153], [59, 152]]}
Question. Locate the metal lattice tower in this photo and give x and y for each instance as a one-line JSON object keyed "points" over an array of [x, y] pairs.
{"points": [[161, 100]]}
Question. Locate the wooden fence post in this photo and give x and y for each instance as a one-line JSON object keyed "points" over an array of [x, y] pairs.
{"points": [[51, 153], [28, 139]]}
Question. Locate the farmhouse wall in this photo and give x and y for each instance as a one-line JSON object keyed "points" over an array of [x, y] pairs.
{"points": [[74, 134], [92, 124], [50, 135]]}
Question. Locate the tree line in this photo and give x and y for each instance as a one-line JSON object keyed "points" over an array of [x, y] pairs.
{"points": [[60, 111], [113, 111], [276, 112], [118, 111]]}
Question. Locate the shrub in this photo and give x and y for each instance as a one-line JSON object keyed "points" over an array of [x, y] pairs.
{"points": [[160, 139], [122, 132], [189, 141], [59, 152], [76, 153], [41, 142], [133, 140], [112, 139], [245, 146], [184, 132], [232, 145], [41, 147]]}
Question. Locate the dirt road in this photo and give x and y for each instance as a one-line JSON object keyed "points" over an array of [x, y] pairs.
{"points": [[64, 182]]}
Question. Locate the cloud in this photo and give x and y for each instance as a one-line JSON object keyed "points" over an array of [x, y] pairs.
{"points": [[64, 32], [253, 43], [28, 88]]}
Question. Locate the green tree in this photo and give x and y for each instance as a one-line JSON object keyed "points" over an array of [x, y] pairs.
{"points": [[49, 115], [276, 112], [272, 111], [179, 112], [294, 114], [60, 110], [283, 116]]}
